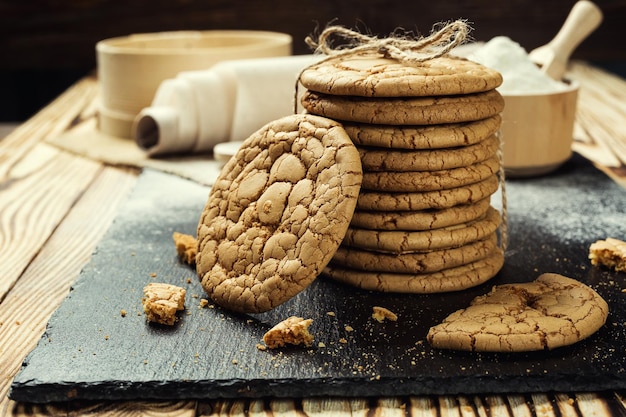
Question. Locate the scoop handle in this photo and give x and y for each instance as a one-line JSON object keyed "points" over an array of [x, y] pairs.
{"points": [[583, 19]]}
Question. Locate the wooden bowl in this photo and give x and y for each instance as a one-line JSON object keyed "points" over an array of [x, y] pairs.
{"points": [[537, 131], [130, 68]]}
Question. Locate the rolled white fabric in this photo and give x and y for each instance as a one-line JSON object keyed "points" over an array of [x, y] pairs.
{"points": [[227, 102]]}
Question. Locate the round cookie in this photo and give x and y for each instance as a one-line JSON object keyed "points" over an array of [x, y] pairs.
{"points": [[423, 137], [399, 242], [374, 76], [277, 213], [376, 159], [422, 262], [438, 199], [550, 312], [419, 181], [405, 110], [451, 279], [419, 220]]}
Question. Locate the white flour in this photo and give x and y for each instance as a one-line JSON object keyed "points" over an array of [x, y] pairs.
{"points": [[519, 73]]}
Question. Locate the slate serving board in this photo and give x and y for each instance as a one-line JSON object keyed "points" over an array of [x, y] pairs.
{"points": [[90, 351]]}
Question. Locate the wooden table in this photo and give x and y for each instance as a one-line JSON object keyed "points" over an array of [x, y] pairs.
{"points": [[56, 206]]}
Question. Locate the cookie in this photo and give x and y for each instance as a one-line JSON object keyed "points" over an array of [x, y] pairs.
{"points": [[422, 262], [405, 111], [291, 331], [419, 181], [423, 137], [277, 212], [439, 199], [161, 301], [399, 242], [610, 253], [379, 160], [548, 313], [419, 220], [374, 76], [450, 279]]}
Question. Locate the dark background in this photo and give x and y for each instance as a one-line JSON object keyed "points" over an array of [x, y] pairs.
{"points": [[45, 46]]}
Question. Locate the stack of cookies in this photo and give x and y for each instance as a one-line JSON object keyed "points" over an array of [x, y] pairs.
{"points": [[427, 138]]}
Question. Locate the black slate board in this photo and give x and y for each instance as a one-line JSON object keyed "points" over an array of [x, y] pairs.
{"points": [[89, 351]]}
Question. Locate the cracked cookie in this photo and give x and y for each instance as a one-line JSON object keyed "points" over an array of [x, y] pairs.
{"points": [[277, 212], [548, 313], [405, 110], [447, 135], [417, 181], [449, 279], [401, 160], [374, 76], [420, 219], [416, 262], [437, 199], [400, 241]]}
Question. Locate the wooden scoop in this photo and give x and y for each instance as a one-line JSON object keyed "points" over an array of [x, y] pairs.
{"points": [[583, 19]]}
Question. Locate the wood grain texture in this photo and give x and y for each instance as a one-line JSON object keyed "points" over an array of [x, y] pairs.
{"points": [[55, 263], [63, 34]]}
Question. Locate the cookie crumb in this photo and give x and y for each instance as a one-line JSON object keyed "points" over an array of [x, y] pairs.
{"points": [[381, 314], [610, 253], [349, 328], [123, 313], [203, 303], [186, 247], [330, 313], [293, 331], [162, 301], [261, 346]]}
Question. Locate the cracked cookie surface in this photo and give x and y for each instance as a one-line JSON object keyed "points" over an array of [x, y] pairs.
{"points": [[374, 76], [277, 212], [550, 312]]}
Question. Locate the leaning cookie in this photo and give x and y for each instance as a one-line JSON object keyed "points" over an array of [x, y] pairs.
{"points": [[551, 312], [277, 212], [450, 279]]}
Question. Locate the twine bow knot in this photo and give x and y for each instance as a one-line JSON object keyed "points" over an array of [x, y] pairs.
{"points": [[405, 50]]}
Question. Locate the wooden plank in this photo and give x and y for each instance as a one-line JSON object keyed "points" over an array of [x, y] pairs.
{"points": [[50, 121], [41, 189], [53, 268]]}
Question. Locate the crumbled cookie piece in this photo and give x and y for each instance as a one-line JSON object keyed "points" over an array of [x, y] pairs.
{"points": [[381, 314], [162, 301], [293, 330], [610, 253], [186, 247]]}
